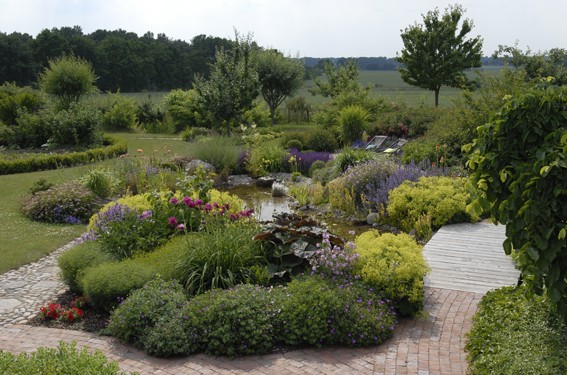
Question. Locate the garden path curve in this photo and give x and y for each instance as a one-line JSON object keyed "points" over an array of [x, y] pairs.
{"points": [[429, 346]]}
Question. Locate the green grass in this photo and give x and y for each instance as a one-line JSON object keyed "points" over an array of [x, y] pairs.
{"points": [[390, 84], [386, 83], [23, 241]]}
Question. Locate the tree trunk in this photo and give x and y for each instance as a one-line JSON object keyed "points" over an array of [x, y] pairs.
{"points": [[437, 96], [273, 114]]}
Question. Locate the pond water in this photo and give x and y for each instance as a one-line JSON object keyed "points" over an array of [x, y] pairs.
{"points": [[264, 205], [261, 201]]}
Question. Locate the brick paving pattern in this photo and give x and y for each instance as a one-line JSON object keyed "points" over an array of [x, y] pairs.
{"points": [[428, 346]]}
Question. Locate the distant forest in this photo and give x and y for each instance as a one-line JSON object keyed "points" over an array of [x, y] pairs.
{"points": [[130, 63]]}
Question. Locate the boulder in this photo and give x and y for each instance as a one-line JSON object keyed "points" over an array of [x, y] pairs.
{"points": [[192, 166], [372, 218], [278, 189], [267, 181]]}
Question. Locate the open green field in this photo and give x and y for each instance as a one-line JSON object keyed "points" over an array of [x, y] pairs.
{"points": [[384, 83]]}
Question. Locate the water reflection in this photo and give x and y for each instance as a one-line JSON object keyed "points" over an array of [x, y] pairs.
{"points": [[261, 200]]}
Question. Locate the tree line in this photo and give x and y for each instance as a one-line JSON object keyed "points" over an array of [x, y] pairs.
{"points": [[122, 60]]}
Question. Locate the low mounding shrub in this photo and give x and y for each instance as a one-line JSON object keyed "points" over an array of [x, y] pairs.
{"points": [[107, 284], [147, 309], [264, 159], [294, 143], [65, 359], [351, 157], [321, 140], [317, 311], [393, 264], [75, 261], [440, 200], [514, 332], [70, 203], [120, 114], [221, 256], [233, 322]]}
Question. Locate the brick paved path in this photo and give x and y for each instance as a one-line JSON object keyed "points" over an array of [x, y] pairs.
{"points": [[430, 346]]}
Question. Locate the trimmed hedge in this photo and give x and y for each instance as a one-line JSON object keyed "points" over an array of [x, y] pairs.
{"points": [[107, 284], [75, 262], [54, 161]]}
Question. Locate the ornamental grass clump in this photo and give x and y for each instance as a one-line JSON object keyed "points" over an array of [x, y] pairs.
{"points": [[65, 359], [223, 255]]}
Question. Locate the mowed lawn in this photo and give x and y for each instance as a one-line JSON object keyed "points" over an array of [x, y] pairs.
{"points": [[23, 241]]}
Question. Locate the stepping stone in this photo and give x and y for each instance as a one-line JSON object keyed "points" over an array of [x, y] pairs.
{"points": [[14, 284], [8, 304]]}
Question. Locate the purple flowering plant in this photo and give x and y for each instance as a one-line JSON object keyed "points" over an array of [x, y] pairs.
{"points": [[302, 161]]}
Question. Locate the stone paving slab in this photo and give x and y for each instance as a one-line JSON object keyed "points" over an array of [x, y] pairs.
{"points": [[24, 290]]}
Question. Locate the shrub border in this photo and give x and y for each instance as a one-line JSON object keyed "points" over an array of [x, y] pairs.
{"points": [[54, 161]]}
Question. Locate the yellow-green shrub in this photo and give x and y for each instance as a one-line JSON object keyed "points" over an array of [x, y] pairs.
{"points": [[395, 265], [223, 197], [444, 199], [106, 284], [340, 197], [75, 261]]}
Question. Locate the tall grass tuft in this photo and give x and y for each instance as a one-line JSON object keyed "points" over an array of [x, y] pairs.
{"points": [[223, 256], [222, 152]]}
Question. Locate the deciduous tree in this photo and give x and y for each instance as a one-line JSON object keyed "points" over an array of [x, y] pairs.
{"points": [[340, 79], [232, 86], [552, 63], [519, 164], [279, 76], [68, 78], [437, 52]]}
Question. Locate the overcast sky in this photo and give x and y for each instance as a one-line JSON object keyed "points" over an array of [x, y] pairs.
{"points": [[315, 28]]}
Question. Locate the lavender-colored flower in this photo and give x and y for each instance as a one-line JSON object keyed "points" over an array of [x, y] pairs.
{"points": [[146, 214]]}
